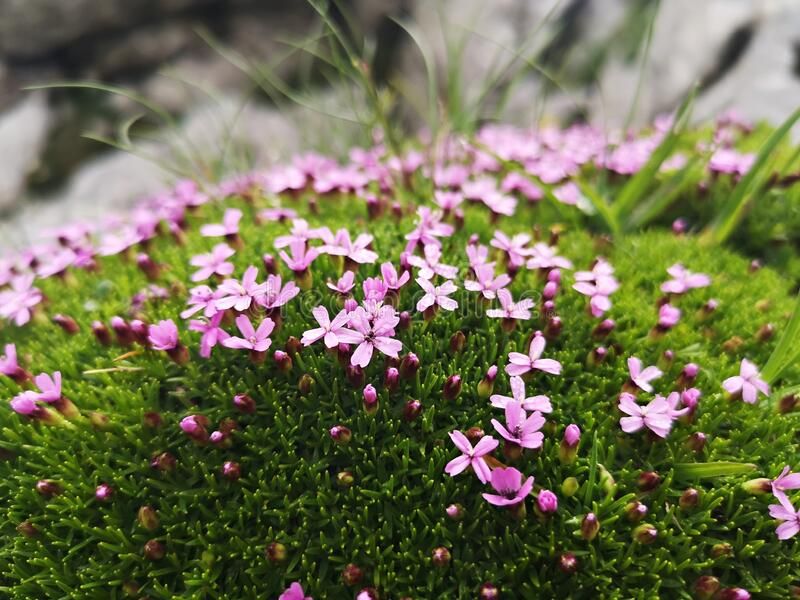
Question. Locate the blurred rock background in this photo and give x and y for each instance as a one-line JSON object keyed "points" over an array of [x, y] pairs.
{"points": [[612, 62]]}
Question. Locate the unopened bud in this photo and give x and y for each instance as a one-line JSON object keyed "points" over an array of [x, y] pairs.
{"points": [[293, 346], [635, 511], [457, 342], [440, 556], [689, 499], [645, 534], [547, 502], [455, 512], [282, 360], [148, 518], [404, 323], [723, 549], [104, 492], [765, 332], [48, 488], [553, 328], [489, 591], [276, 553], [231, 470], [391, 379], [409, 366], [340, 434], [697, 441], [412, 410], [452, 387], [153, 420], [355, 375], [603, 328], [345, 479], [305, 384], [486, 385], [568, 563], [757, 487], [648, 481], [66, 323], [164, 462], [244, 404], [148, 266], [732, 593], [590, 526], [570, 487], [28, 529], [101, 333], [705, 587], [154, 550], [352, 574]]}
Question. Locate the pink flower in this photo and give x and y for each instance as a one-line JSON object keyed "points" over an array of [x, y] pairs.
{"points": [[748, 383], [391, 279], [356, 250], [164, 335], [668, 316], [300, 232], [294, 592], [25, 404], [436, 295], [683, 280], [256, 340], [329, 330], [447, 200], [371, 335], [515, 247], [540, 403], [213, 334], [275, 294], [374, 289], [656, 416], [520, 428], [520, 364], [202, 298], [471, 457], [510, 309], [545, 257], [428, 230], [240, 295], [301, 257], [228, 227], [785, 481], [429, 266], [485, 281], [642, 377], [509, 487], [8, 362], [277, 214], [16, 303], [785, 512], [213, 263], [598, 293], [50, 387], [477, 255], [345, 283]]}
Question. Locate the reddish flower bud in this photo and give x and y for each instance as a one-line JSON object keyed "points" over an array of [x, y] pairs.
{"points": [[101, 333], [603, 328], [758, 486], [489, 591], [689, 499], [391, 379], [154, 550], [405, 321], [282, 360], [194, 426], [440, 556], [645, 534], [635, 511], [28, 529], [305, 384], [452, 387], [596, 356], [270, 266], [148, 518], [412, 410], [368, 594], [345, 479], [705, 587], [788, 403], [122, 331], [293, 346], [104, 492], [148, 266], [457, 342], [340, 434], [244, 404], [723, 549], [370, 399], [568, 450], [164, 462], [679, 226], [355, 375], [547, 502], [409, 366], [455, 512], [66, 323], [486, 385], [276, 552], [567, 563], [48, 488], [697, 441], [553, 328], [732, 594], [765, 332], [352, 574], [153, 420], [231, 470], [590, 526], [648, 481]]}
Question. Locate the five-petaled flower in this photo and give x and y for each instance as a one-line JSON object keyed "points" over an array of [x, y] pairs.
{"points": [[436, 295], [257, 340], [520, 428], [539, 402], [656, 415], [328, 330], [519, 363], [509, 487], [471, 457], [747, 383]]}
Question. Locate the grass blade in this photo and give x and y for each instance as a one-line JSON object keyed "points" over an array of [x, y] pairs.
{"points": [[713, 469], [787, 349]]}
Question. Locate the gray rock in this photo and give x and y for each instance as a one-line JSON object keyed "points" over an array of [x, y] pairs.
{"points": [[23, 130]]}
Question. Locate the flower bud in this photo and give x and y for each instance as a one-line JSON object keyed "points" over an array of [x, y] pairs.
{"points": [[352, 574], [101, 333], [689, 499], [486, 385], [547, 502], [244, 404], [758, 486], [195, 427], [270, 266], [733, 345], [570, 486], [705, 587], [412, 410], [788, 403], [606, 480], [645, 534], [152, 420], [404, 324], [589, 527], [231, 470], [732, 594], [293, 346], [409, 366], [708, 309], [765, 332], [28, 529], [48, 488], [220, 439], [679, 226], [455, 512], [164, 462], [603, 328], [148, 266], [688, 375], [440, 556], [568, 450], [391, 379], [340, 434], [452, 387], [148, 518], [66, 323], [489, 591], [723, 549], [276, 553], [345, 479], [648, 481], [370, 399], [282, 360], [596, 356], [697, 441], [355, 375], [104, 492], [368, 594], [567, 563], [553, 328], [131, 589], [154, 550], [122, 331], [305, 384], [635, 511], [457, 342]]}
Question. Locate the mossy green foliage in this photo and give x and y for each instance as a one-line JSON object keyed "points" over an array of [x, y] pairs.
{"points": [[389, 521]]}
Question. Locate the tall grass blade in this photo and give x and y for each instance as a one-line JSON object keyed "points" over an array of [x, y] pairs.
{"points": [[788, 348]]}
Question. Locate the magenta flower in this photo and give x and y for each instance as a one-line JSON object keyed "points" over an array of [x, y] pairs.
{"points": [[213, 263], [328, 330], [509, 487], [301, 257], [371, 335], [515, 247], [229, 226], [471, 457], [275, 294], [9, 366], [202, 298], [436, 295], [429, 266], [448, 200], [25, 404], [684, 280], [294, 592], [164, 335], [533, 403], [477, 254], [213, 334], [668, 316], [500, 204], [519, 363], [356, 250], [345, 283], [256, 340], [16, 303], [277, 214], [239, 295], [543, 256], [520, 428], [747, 383], [485, 281], [428, 230], [785, 481], [598, 292], [785, 512], [300, 232], [656, 415], [391, 279], [510, 309], [50, 387], [641, 378]]}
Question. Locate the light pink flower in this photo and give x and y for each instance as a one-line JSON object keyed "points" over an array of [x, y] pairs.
{"points": [[213, 263], [50, 387], [329, 330], [391, 279], [747, 383], [294, 592], [684, 280], [448, 200], [436, 295], [301, 256], [471, 457], [213, 334], [300, 232], [9, 365], [275, 294], [598, 292], [16, 303], [164, 335], [428, 230], [520, 364], [785, 481], [202, 298], [429, 266], [485, 281], [356, 250], [256, 340], [228, 227], [515, 247], [642, 377], [543, 256], [371, 335], [509, 487], [477, 255], [345, 283], [239, 295], [374, 289], [520, 428], [532, 403], [509, 309], [785, 512], [655, 415], [668, 316]]}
